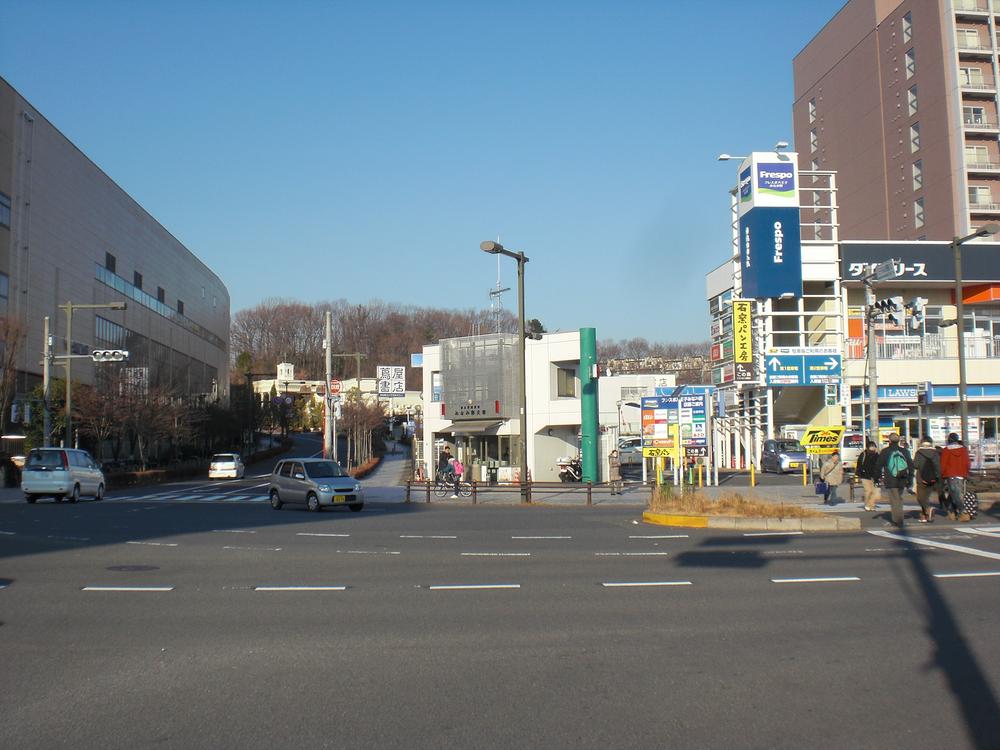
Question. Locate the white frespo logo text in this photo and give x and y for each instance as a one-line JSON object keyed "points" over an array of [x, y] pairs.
{"points": [[779, 238]]}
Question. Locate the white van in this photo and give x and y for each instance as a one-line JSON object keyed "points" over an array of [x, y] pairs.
{"points": [[61, 473], [851, 446]]}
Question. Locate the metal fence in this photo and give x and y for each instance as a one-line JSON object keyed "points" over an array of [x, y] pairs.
{"points": [[931, 346]]}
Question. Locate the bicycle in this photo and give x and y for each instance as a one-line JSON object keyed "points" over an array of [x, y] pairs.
{"points": [[444, 485]]}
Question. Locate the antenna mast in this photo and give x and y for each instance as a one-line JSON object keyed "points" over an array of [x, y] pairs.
{"points": [[496, 303]]}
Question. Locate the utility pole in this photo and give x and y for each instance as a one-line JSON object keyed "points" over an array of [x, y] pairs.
{"points": [[873, 422], [46, 364], [329, 433]]}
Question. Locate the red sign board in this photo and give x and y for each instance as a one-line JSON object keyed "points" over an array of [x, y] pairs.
{"points": [[334, 386]]}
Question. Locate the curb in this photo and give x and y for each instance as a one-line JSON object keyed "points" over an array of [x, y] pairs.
{"points": [[824, 523]]}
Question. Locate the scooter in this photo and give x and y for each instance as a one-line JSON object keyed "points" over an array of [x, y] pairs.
{"points": [[570, 469]]}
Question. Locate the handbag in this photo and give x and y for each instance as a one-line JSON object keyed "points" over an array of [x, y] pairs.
{"points": [[821, 487]]}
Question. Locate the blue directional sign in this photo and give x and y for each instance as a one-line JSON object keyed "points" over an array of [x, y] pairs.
{"points": [[803, 369]]}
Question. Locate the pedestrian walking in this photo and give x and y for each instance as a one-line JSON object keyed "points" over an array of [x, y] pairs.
{"points": [[832, 472], [895, 467], [866, 470], [955, 467], [615, 472], [927, 470], [458, 469]]}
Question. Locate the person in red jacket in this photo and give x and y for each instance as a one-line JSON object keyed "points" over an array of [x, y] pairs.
{"points": [[955, 466]]}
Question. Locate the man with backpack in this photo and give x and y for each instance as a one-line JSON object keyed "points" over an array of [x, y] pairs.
{"points": [[928, 468], [896, 469]]}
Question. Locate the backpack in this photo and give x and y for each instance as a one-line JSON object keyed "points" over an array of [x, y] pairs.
{"points": [[896, 465], [929, 472]]}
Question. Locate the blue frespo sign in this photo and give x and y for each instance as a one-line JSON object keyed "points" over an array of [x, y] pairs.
{"points": [[746, 186], [771, 252], [776, 179]]}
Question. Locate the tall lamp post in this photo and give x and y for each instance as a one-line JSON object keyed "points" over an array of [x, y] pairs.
{"points": [[495, 248], [956, 246], [70, 308]]}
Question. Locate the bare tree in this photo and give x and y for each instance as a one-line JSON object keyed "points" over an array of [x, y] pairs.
{"points": [[12, 333]]}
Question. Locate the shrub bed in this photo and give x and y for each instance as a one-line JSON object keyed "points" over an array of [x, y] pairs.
{"points": [[665, 500]]}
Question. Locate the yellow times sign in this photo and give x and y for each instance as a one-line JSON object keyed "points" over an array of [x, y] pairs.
{"points": [[822, 437], [743, 331]]}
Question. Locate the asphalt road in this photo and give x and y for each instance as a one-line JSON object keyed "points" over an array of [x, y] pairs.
{"points": [[596, 630]]}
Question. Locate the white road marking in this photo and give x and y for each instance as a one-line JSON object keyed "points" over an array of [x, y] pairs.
{"points": [[210, 498], [939, 545], [158, 589], [496, 554], [316, 533], [831, 579], [772, 533], [265, 549], [662, 536], [70, 538], [430, 536], [630, 554], [783, 552], [233, 531], [461, 586], [300, 588], [541, 537], [155, 544], [8, 533], [621, 584], [364, 552], [982, 532], [3, 585], [967, 575]]}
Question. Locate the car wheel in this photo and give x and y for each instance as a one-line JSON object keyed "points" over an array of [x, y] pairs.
{"points": [[275, 500], [356, 507], [74, 496], [100, 492], [312, 502], [30, 499]]}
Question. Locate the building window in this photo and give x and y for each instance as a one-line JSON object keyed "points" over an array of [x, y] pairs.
{"points": [[914, 137], [4, 210], [215, 301], [911, 100], [918, 213], [815, 165], [967, 39], [565, 383], [137, 280], [911, 63], [907, 27], [812, 110], [203, 292], [161, 294], [980, 196], [813, 140], [972, 77], [180, 307], [4, 293], [110, 262], [974, 115], [977, 157], [918, 174]]}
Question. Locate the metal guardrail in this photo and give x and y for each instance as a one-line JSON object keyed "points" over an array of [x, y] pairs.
{"points": [[931, 346], [526, 490]]}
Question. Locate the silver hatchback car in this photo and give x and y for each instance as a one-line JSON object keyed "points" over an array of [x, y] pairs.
{"points": [[315, 482], [61, 473]]}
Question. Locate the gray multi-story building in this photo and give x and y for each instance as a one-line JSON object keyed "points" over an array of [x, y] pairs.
{"points": [[69, 234]]}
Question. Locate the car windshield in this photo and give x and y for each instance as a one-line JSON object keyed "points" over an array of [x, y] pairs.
{"points": [[320, 469], [223, 458], [790, 446], [45, 460]]}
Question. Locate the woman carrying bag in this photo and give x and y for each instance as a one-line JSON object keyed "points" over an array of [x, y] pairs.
{"points": [[831, 474]]}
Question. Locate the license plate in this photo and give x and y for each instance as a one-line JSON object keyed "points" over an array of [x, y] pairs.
{"points": [[339, 498], [794, 465]]}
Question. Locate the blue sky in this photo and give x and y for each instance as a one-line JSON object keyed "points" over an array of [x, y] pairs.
{"points": [[324, 150]]}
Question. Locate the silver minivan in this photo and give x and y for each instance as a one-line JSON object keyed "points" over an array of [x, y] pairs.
{"points": [[61, 473], [314, 482]]}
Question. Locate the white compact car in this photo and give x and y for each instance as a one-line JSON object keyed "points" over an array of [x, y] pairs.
{"points": [[226, 466], [61, 473]]}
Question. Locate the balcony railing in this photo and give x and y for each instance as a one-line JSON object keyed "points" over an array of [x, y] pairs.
{"points": [[983, 206], [979, 124], [931, 346], [982, 166], [978, 85], [972, 6]]}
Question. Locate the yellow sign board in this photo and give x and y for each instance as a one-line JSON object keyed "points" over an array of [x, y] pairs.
{"points": [[817, 438], [743, 331], [672, 450]]}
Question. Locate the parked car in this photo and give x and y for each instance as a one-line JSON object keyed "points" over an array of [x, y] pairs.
{"points": [[782, 456], [61, 473], [226, 466], [630, 451], [315, 482], [852, 446]]}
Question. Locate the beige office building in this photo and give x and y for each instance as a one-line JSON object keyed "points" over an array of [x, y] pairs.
{"points": [[900, 99], [68, 233]]}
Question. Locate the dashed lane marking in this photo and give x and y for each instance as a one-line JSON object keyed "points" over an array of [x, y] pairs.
{"points": [[627, 584], [256, 549], [939, 545], [154, 589], [662, 536], [830, 579], [541, 537], [316, 533], [366, 552], [496, 554], [233, 531], [427, 536], [631, 554], [155, 544], [967, 575], [467, 586], [8, 533], [300, 588], [69, 538]]}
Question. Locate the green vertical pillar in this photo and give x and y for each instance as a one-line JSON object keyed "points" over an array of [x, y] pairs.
{"points": [[589, 421]]}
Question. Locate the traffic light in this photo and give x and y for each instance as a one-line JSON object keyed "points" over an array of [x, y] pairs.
{"points": [[888, 305], [109, 355], [916, 307]]}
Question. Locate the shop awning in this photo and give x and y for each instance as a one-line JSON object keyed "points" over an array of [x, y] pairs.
{"points": [[474, 427]]}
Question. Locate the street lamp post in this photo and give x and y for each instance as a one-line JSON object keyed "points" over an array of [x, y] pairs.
{"points": [[70, 308], [495, 248], [956, 246]]}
